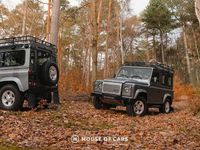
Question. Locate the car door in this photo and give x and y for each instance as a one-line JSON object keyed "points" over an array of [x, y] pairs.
{"points": [[166, 84], [155, 90]]}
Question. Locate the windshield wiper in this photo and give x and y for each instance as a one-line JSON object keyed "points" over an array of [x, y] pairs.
{"points": [[123, 75], [135, 76]]}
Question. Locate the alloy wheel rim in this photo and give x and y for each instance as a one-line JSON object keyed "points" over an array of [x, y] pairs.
{"points": [[167, 107], [138, 107], [8, 98], [53, 73]]}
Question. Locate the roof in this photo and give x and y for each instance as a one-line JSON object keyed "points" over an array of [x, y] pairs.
{"points": [[155, 65], [30, 40]]}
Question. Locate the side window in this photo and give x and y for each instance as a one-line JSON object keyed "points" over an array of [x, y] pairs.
{"points": [[169, 81], [12, 58], [42, 57], [1, 59], [32, 60], [166, 80], [155, 78]]}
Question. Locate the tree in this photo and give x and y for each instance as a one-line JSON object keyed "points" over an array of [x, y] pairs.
{"points": [[55, 22], [13, 23], [94, 40], [158, 19], [107, 39], [197, 9], [24, 17]]}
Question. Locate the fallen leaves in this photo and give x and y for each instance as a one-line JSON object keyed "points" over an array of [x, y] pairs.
{"points": [[53, 128]]}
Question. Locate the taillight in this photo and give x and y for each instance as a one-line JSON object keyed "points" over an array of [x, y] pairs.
{"points": [[32, 81], [30, 72]]}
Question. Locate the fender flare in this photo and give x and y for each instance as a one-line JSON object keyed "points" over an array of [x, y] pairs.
{"points": [[166, 96], [138, 91]]}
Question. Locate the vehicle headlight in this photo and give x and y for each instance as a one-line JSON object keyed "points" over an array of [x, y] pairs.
{"points": [[127, 90], [98, 86]]}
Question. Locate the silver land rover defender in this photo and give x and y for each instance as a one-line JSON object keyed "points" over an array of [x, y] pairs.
{"points": [[137, 86], [28, 71]]}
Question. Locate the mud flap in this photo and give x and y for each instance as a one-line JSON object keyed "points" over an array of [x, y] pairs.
{"points": [[32, 100], [55, 97]]}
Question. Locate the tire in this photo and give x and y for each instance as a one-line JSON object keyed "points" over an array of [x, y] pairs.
{"points": [[46, 106], [166, 107], [137, 108], [10, 98], [49, 73], [97, 103], [48, 100], [48, 97]]}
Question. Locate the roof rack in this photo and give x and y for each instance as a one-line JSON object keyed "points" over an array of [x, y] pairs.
{"points": [[24, 40], [157, 65]]}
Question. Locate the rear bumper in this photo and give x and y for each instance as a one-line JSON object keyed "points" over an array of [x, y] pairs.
{"points": [[43, 89], [112, 99]]}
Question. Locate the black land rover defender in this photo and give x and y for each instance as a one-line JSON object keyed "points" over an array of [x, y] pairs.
{"points": [[137, 86], [28, 70]]}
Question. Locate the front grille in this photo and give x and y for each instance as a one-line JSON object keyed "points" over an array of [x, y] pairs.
{"points": [[112, 88]]}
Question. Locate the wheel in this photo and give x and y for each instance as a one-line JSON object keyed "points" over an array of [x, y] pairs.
{"points": [[166, 107], [48, 97], [97, 102], [46, 106], [10, 98], [48, 100], [137, 108], [49, 73]]}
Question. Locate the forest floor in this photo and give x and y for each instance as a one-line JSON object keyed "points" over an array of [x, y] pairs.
{"points": [[53, 128]]}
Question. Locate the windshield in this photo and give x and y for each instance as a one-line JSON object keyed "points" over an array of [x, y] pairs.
{"points": [[135, 73]]}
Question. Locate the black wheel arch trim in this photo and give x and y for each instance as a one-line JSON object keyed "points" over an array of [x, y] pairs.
{"points": [[138, 92], [167, 96]]}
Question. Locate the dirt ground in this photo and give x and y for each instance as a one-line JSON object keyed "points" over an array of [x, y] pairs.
{"points": [[77, 125]]}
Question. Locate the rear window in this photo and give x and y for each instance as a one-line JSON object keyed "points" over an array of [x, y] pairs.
{"points": [[12, 58], [166, 80], [43, 56]]}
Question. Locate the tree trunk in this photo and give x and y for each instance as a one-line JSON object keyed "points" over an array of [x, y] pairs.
{"points": [[99, 15], [94, 41], [118, 52], [48, 22], [195, 43], [107, 40], [154, 54], [24, 17], [121, 39], [99, 26], [197, 9], [147, 47], [162, 47], [187, 53], [55, 22], [59, 53]]}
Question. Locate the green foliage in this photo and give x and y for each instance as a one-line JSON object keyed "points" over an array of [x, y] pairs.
{"points": [[183, 10], [157, 16]]}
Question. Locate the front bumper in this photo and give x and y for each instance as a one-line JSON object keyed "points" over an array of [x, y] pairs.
{"points": [[112, 99]]}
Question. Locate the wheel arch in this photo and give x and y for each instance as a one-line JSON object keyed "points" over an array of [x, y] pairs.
{"points": [[167, 96], [140, 92], [14, 81]]}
